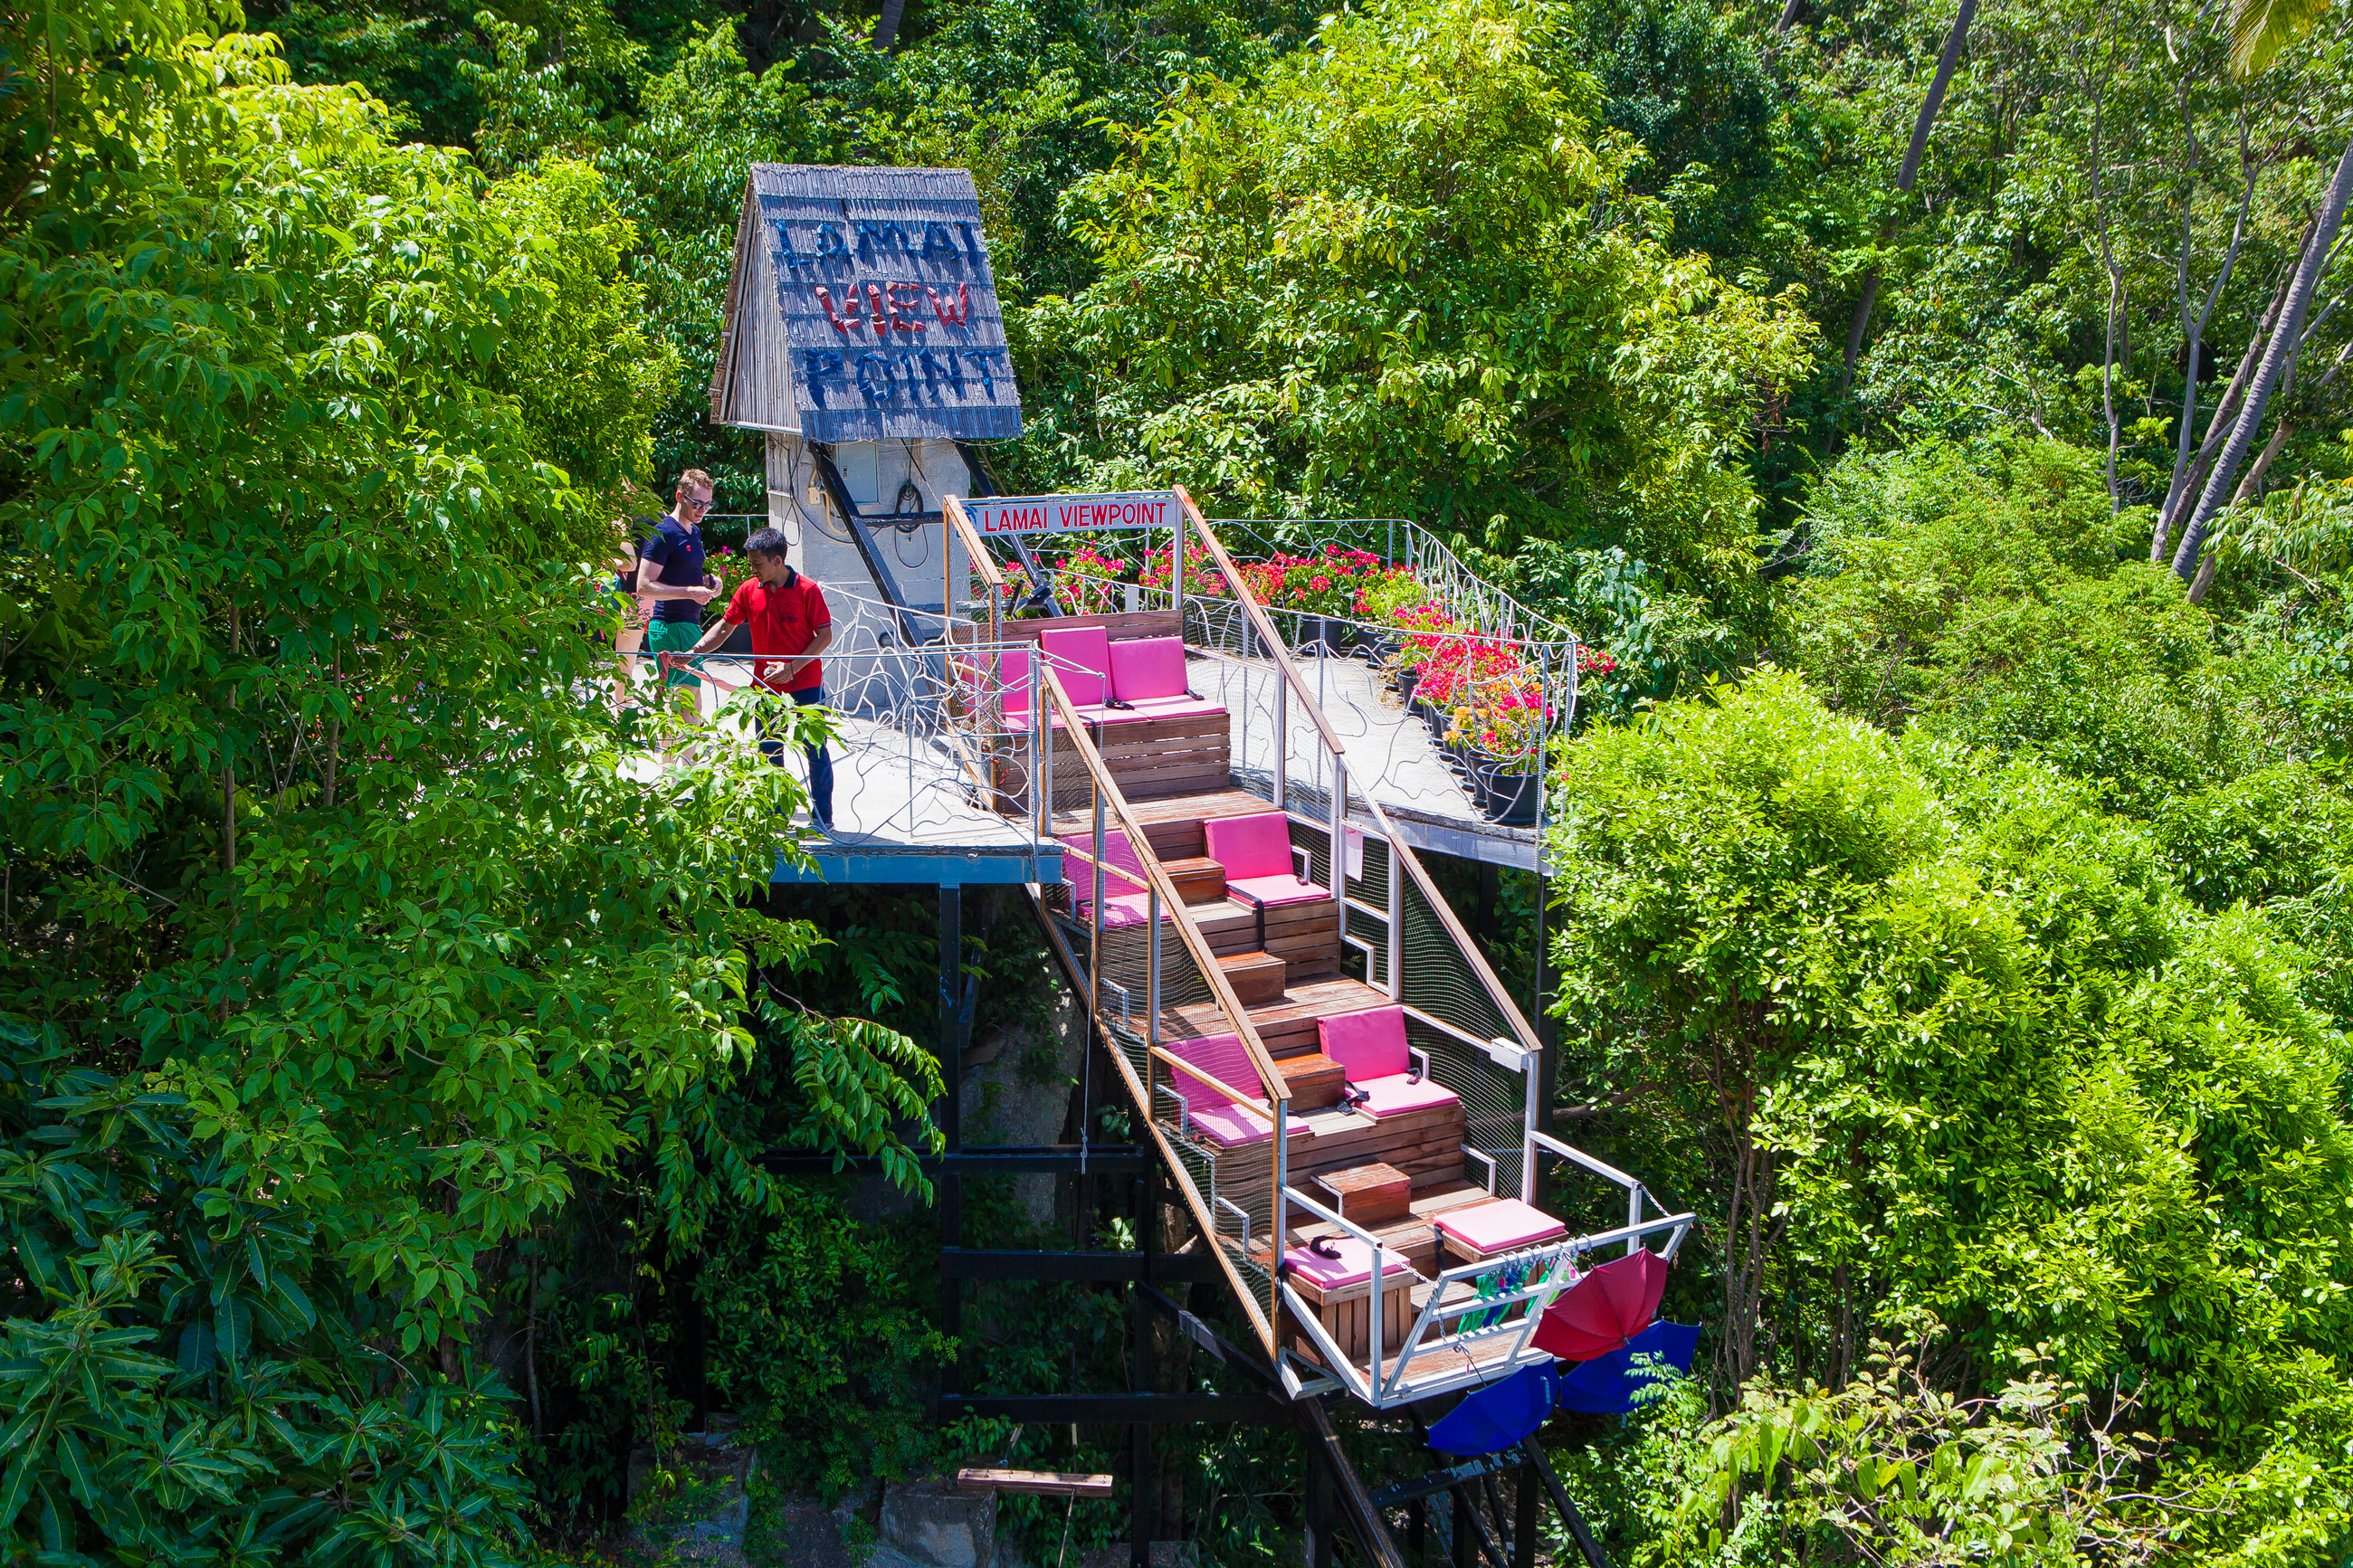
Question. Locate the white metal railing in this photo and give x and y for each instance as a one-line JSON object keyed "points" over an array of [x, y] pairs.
{"points": [[1241, 1196], [1507, 1293]]}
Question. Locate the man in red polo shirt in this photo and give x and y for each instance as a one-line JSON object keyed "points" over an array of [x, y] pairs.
{"points": [[790, 626]]}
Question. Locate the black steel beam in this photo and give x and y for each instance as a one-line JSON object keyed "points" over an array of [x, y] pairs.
{"points": [[1444, 1481], [1088, 1268], [1579, 1530], [1219, 1348], [1008, 1159], [1117, 1409]]}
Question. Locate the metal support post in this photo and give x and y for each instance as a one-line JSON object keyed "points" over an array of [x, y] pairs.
{"points": [[1417, 1534], [1141, 1518], [1339, 831], [1319, 1512], [1523, 1517], [1282, 739], [1396, 924], [1466, 1531], [947, 1118]]}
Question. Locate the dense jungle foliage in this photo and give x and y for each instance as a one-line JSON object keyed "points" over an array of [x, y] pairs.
{"points": [[1938, 414]]}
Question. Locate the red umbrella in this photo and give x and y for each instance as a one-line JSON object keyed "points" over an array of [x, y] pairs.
{"points": [[1603, 1310]]}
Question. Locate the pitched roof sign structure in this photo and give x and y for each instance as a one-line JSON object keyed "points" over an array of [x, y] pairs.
{"points": [[861, 308]]}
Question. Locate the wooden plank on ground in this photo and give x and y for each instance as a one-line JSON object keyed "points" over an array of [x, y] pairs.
{"points": [[1033, 1483]]}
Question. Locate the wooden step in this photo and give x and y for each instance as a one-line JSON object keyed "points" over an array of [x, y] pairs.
{"points": [[1172, 825], [1367, 1196], [1314, 1082], [1285, 1023], [1257, 976], [1198, 878]]}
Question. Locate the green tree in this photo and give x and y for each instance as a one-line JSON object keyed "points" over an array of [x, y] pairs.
{"points": [[1401, 274], [1948, 1036], [322, 842]]}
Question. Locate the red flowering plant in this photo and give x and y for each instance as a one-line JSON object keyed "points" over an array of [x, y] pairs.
{"points": [[1457, 669], [732, 569], [1202, 578], [1427, 630], [1325, 584], [1591, 660], [1506, 721], [1087, 581]]}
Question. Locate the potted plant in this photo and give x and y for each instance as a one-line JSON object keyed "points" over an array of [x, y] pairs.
{"points": [[1503, 741], [1382, 598]]}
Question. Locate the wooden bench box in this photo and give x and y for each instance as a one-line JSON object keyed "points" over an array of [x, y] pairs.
{"points": [[1314, 1082], [1367, 1196], [1347, 1311]]}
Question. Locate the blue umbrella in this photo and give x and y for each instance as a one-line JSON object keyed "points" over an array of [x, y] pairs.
{"points": [[1497, 1416], [1607, 1384]]}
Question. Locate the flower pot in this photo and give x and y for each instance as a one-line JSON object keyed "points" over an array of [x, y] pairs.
{"points": [[1509, 798], [1321, 634], [1405, 681]]}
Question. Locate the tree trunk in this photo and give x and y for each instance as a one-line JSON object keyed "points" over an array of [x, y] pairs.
{"points": [[2286, 339], [1912, 156], [886, 25], [2249, 488]]}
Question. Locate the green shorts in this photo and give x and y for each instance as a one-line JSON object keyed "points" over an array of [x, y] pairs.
{"points": [[675, 637]]}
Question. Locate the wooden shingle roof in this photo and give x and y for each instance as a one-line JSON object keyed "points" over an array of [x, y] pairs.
{"points": [[861, 307]]}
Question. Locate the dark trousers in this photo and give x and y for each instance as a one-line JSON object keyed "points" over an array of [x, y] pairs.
{"points": [[820, 764]]}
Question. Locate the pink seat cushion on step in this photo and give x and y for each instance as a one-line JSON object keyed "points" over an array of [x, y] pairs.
{"points": [[1013, 677], [1213, 1113], [1147, 668], [1081, 657], [1257, 845], [1396, 1095], [1271, 891], [1125, 909], [1123, 873], [1369, 1046], [1353, 1267], [1230, 1126], [1223, 1058], [1505, 1225]]}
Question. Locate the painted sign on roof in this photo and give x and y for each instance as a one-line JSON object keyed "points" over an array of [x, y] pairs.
{"points": [[890, 312], [1070, 514]]}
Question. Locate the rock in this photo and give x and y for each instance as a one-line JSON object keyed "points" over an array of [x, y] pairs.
{"points": [[933, 1525], [1000, 1105], [697, 1512], [1164, 1555]]}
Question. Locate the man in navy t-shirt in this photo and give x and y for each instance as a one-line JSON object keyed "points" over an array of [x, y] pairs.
{"points": [[670, 569]]}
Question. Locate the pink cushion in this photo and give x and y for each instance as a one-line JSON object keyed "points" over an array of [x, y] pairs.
{"points": [[1368, 1046], [1125, 909], [1080, 657], [1395, 1096], [1119, 860], [1254, 845], [1353, 1267], [1283, 889], [1013, 676], [1502, 1225], [1223, 1058], [1147, 667], [1212, 1112], [1229, 1126]]}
